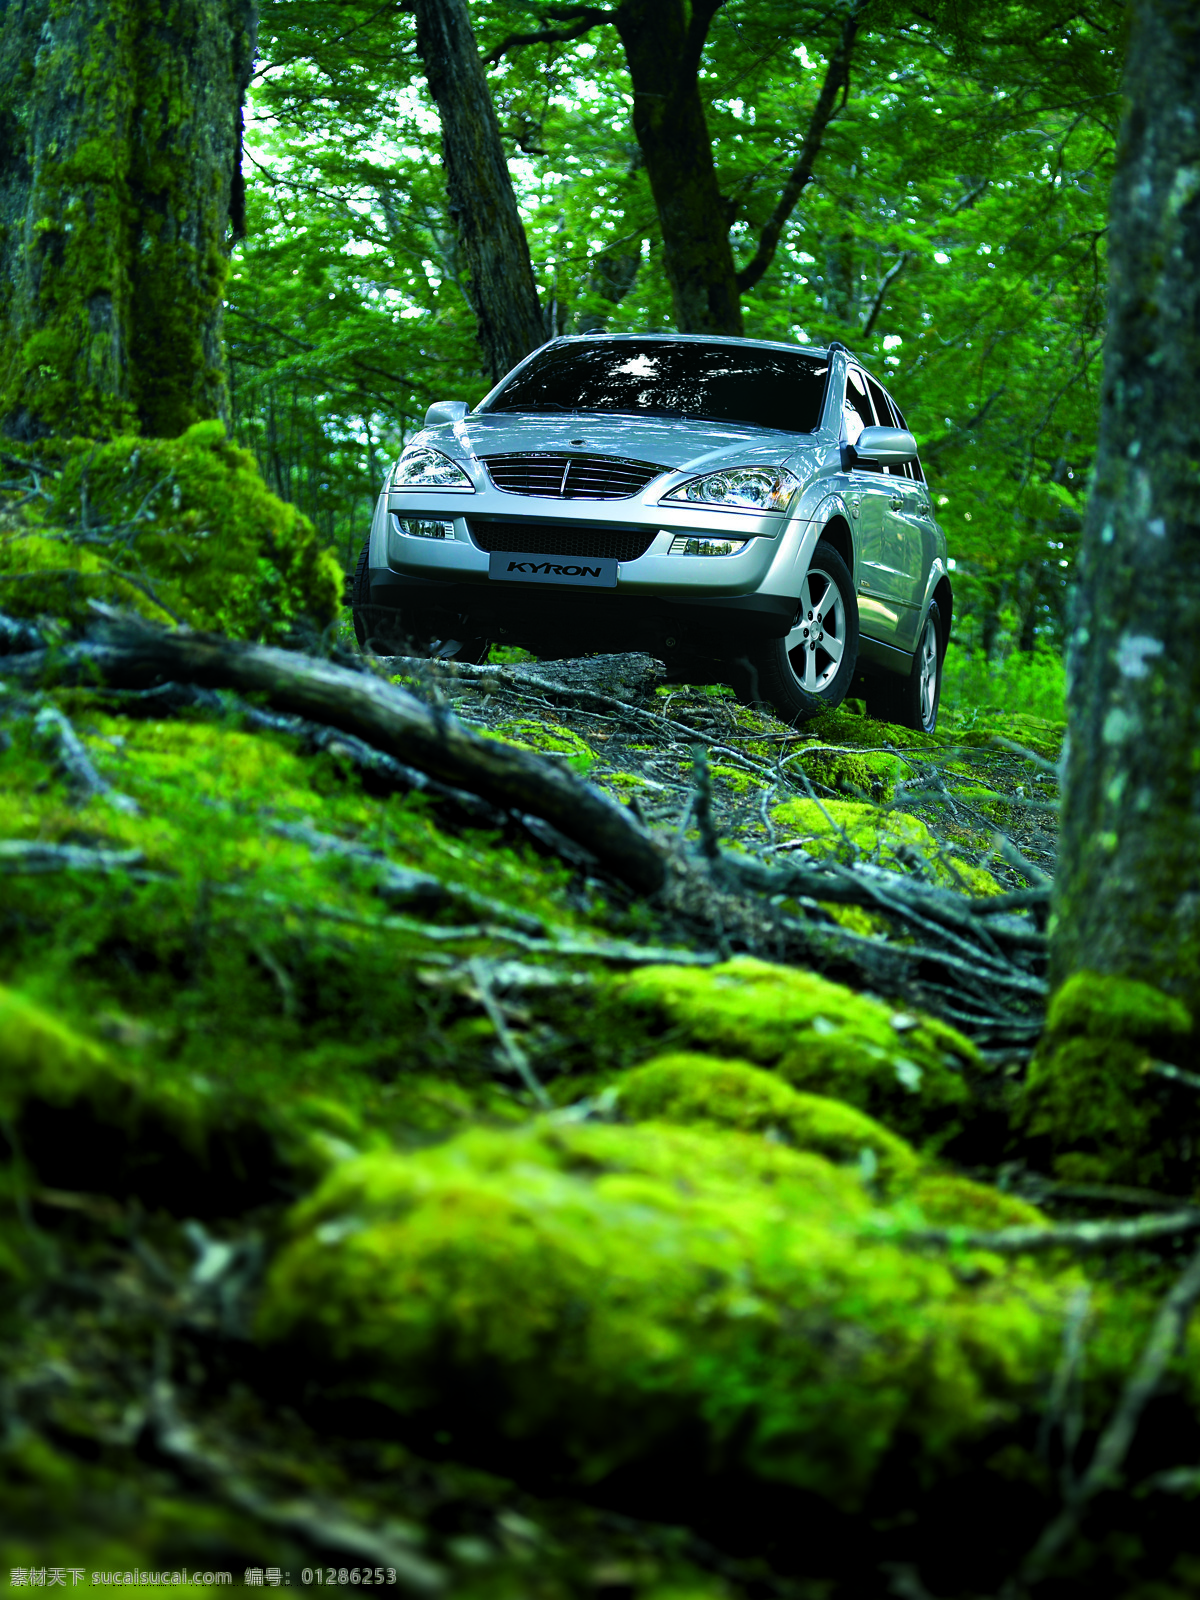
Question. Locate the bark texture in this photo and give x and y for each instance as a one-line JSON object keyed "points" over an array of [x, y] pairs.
{"points": [[119, 142], [662, 48], [1128, 894], [482, 204]]}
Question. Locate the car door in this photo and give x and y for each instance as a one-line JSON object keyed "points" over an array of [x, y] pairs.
{"points": [[907, 543], [869, 492]]}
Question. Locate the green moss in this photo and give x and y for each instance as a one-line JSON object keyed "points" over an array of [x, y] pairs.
{"points": [[950, 1201], [712, 1300], [690, 1088], [740, 781], [856, 919], [86, 1120], [863, 774], [213, 547], [843, 727], [851, 828], [547, 739], [236, 974], [1089, 1094], [819, 1036], [1105, 1007], [1043, 737], [116, 255]]}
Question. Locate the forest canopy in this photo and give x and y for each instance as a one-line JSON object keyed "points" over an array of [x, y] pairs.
{"points": [[951, 231]]}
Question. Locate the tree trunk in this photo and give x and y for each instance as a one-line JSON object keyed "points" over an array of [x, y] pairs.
{"points": [[482, 204], [663, 55], [1128, 895], [120, 134]]}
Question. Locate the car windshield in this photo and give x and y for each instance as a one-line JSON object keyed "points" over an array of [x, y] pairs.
{"points": [[705, 382]]}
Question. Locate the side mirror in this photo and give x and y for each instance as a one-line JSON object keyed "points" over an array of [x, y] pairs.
{"points": [[456, 410], [891, 447]]}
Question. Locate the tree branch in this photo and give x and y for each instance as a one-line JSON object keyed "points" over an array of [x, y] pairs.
{"points": [[889, 278], [1166, 1338], [589, 17], [837, 79], [703, 11], [1081, 1237]]}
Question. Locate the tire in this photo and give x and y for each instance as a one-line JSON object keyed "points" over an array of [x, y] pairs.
{"points": [[912, 701], [384, 631], [811, 669]]}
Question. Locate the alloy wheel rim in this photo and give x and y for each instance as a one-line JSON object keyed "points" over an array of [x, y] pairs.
{"points": [[817, 641], [928, 673]]}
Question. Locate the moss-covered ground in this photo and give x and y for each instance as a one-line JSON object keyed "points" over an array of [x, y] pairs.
{"points": [[386, 1190]]}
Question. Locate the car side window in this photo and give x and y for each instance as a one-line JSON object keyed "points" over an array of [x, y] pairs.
{"points": [[886, 413], [911, 469], [857, 415]]}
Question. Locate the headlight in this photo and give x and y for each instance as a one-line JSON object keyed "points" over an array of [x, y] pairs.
{"points": [[429, 469], [755, 489]]}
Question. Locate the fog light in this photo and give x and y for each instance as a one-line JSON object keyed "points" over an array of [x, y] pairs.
{"points": [[681, 546], [422, 527]]}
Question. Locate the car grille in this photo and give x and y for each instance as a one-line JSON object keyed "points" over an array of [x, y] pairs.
{"points": [[569, 477], [552, 539]]}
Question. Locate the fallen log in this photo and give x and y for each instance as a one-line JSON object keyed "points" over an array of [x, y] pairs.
{"points": [[386, 717]]}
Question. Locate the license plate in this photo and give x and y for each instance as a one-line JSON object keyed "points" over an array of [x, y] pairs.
{"points": [[585, 572]]}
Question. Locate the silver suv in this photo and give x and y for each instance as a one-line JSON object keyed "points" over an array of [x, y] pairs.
{"points": [[749, 511]]}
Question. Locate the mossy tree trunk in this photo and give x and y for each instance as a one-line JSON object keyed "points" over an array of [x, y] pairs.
{"points": [[1128, 895], [483, 206], [120, 144]]}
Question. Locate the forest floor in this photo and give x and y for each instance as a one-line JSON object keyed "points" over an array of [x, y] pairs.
{"points": [[980, 775], [395, 1192]]}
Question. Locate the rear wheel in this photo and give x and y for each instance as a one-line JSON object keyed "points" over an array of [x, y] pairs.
{"points": [[385, 631], [912, 701], [809, 670]]}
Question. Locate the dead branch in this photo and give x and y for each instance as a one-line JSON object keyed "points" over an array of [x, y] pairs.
{"points": [[386, 717], [866, 884], [1064, 1404], [27, 856], [1104, 1470], [18, 635], [401, 885], [516, 1057], [55, 730], [318, 1526], [1078, 1237], [383, 771], [1162, 1069]]}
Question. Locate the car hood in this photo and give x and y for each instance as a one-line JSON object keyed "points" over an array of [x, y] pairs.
{"points": [[671, 443]]}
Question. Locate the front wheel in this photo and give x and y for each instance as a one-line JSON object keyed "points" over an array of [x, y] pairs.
{"points": [[384, 631], [810, 670]]}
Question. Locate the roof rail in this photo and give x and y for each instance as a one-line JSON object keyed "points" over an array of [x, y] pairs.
{"points": [[836, 344]]}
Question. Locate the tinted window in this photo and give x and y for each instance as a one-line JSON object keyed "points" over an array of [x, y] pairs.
{"points": [[710, 382], [911, 469], [885, 412], [857, 415]]}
